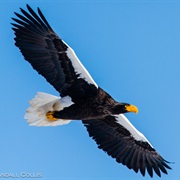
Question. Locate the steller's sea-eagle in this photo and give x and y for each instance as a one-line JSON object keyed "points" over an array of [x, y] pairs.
{"points": [[81, 98]]}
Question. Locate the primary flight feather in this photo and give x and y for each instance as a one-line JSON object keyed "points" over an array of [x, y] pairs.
{"points": [[81, 98]]}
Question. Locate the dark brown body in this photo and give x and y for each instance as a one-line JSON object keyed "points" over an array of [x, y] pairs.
{"points": [[98, 106]]}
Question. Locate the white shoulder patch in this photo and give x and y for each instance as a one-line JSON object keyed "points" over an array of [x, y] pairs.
{"points": [[43, 103], [122, 120], [78, 66]]}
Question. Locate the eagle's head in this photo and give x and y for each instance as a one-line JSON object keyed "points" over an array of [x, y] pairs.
{"points": [[122, 108]]}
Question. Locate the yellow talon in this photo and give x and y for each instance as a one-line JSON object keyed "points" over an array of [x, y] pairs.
{"points": [[50, 116]]}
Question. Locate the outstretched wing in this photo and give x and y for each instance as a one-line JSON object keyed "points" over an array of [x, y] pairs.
{"points": [[122, 141], [51, 56]]}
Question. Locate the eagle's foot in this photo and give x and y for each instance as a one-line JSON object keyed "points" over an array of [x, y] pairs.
{"points": [[50, 116]]}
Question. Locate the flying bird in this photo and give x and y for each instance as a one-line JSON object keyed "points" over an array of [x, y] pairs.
{"points": [[80, 97]]}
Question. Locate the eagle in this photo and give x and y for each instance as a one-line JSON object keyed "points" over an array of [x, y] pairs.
{"points": [[80, 97]]}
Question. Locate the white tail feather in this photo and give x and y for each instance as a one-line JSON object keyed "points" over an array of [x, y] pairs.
{"points": [[43, 103]]}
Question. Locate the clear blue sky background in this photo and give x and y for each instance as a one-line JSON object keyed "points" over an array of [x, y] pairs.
{"points": [[131, 49]]}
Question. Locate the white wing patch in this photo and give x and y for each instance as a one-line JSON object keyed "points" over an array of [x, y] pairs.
{"points": [[78, 66], [43, 103], [122, 120]]}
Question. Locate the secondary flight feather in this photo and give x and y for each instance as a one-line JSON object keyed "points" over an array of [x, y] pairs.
{"points": [[81, 98]]}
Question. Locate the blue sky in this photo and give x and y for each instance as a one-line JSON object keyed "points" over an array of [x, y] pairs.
{"points": [[131, 49]]}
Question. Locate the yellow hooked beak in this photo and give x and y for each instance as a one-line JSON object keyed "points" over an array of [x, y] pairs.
{"points": [[131, 108]]}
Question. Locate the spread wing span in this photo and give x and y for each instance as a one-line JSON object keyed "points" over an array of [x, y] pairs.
{"points": [[50, 55], [126, 144]]}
